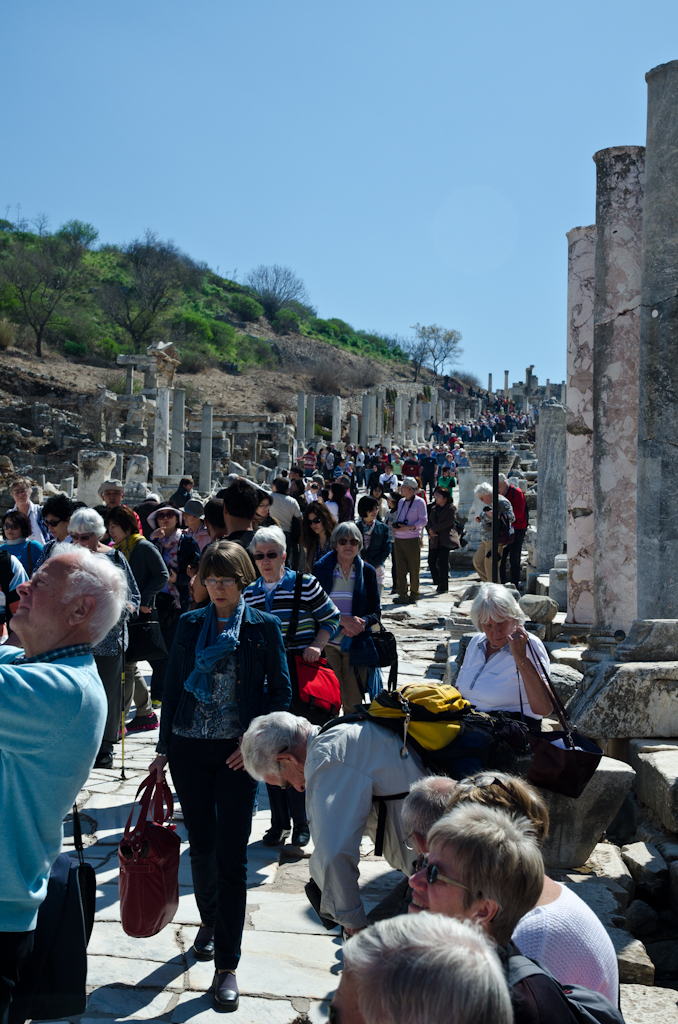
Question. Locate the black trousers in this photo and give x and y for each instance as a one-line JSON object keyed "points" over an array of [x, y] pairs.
{"points": [[512, 554], [110, 671], [160, 667], [217, 803], [15, 949], [438, 563], [428, 481], [287, 805]]}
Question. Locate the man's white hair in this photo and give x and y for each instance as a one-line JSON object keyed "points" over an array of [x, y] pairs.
{"points": [[426, 803], [483, 488], [90, 575], [267, 736], [494, 603], [427, 969], [86, 520], [268, 535]]}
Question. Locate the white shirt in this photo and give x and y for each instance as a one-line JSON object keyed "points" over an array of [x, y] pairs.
{"points": [[570, 940], [33, 513], [495, 685], [360, 459], [388, 480], [285, 508]]}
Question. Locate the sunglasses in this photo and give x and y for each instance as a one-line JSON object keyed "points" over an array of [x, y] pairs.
{"points": [[82, 536], [165, 515], [313, 522], [53, 522], [433, 874], [348, 540], [270, 556]]}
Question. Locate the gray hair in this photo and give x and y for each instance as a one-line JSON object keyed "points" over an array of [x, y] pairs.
{"points": [[86, 520], [268, 535], [267, 736], [346, 530], [426, 803], [503, 479], [483, 488], [494, 603], [497, 856], [427, 969], [410, 481], [91, 575]]}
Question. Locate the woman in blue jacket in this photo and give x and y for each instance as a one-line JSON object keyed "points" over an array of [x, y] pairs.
{"points": [[351, 583], [227, 666]]}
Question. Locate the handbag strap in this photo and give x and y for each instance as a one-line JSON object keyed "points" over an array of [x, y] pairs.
{"points": [[294, 617], [551, 693], [163, 808], [77, 836]]}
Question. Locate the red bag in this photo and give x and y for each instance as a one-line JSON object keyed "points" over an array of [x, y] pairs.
{"points": [[318, 685], [148, 856]]}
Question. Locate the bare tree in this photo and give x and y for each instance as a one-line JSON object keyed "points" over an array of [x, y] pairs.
{"points": [[276, 288], [43, 269], [441, 344], [417, 351], [154, 272]]}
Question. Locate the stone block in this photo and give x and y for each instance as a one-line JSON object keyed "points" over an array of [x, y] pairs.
{"points": [[577, 825], [539, 608], [451, 671], [627, 700], [641, 919], [138, 1004], [565, 681], [558, 588], [543, 582], [650, 640], [607, 862], [560, 562], [656, 784], [646, 864], [645, 1004], [197, 1008], [664, 956], [570, 656]]}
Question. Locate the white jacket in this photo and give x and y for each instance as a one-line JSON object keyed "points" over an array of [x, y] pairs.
{"points": [[346, 768]]}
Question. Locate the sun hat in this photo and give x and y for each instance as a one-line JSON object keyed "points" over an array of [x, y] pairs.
{"points": [[153, 517]]}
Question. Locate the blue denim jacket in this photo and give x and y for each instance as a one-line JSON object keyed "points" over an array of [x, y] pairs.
{"points": [[263, 682], [365, 603]]}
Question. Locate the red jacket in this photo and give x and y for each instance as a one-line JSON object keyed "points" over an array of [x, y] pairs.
{"points": [[517, 499]]}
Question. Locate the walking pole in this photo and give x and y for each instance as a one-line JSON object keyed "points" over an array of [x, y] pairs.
{"points": [[122, 719]]}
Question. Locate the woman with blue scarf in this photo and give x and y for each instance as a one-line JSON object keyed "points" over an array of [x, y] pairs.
{"points": [[228, 666]]}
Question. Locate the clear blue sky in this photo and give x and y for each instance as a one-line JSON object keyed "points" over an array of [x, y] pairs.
{"points": [[415, 161]]}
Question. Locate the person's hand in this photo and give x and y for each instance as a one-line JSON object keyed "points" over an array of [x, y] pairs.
{"points": [[431, 533], [352, 625], [158, 766], [157, 533], [191, 570], [518, 644], [235, 761], [146, 609], [312, 653]]}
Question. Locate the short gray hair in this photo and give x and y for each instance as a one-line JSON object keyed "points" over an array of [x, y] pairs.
{"points": [[86, 520], [426, 803], [503, 479], [494, 603], [497, 856], [268, 535], [410, 481], [267, 736], [346, 530], [483, 488], [97, 576], [427, 969]]}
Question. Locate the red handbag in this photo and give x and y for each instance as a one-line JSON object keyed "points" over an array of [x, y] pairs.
{"points": [[148, 855], [318, 685]]}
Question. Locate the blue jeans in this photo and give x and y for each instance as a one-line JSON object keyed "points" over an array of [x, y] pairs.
{"points": [[217, 803]]}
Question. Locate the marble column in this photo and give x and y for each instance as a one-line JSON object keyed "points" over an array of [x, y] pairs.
{"points": [[551, 492], [94, 466], [301, 415], [380, 431], [206, 450], [373, 415], [310, 418], [336, 419], [489, 382], [506, 383], [177, 444], [581, 257], [412, 424], [161, 433], [398, 419], [658, 394], [616, 344], [353, 429], [365, 422]]}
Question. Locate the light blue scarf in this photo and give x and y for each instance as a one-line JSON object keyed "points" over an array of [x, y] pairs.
{"points": [[210, 649]]}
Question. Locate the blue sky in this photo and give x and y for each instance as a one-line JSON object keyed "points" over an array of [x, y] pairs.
{"points": [[413, 162]]}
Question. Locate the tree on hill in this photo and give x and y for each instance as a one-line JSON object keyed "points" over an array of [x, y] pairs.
{"points": [[436, 346], [42, 268], [277, 288], [154, 274]]}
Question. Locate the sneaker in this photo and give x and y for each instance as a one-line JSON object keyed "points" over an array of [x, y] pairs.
{"points": [[146, 724], [104, 760], [301, 835], [276, 836], [156, 703]]}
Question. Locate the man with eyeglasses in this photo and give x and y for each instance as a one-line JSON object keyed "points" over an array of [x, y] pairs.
{"points": [[20, 489]]}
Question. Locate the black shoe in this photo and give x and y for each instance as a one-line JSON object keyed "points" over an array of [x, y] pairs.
{"points": [[401, 600], [203, 944], [226, 992], [104, 759], [442, 590], [276, 836], [301, 835]]}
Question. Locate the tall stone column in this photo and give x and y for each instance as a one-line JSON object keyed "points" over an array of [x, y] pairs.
{"points": [[336, 419], [658, 396], [177, 446], [206, 450], [365, 422], [398, 419], [161, 433], [380, 414], [310, 418], [506, 386], [353, 429], [301, 415], [551, 493], [581, 258], [412, 424], [489, 382], [373, 415], [616, 344]]}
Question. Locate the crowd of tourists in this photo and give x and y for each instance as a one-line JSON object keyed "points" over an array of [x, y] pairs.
{"points": [[252, 591]]}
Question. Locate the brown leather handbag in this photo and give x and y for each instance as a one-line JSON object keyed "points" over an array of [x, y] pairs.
{"points": [[148, 855]]}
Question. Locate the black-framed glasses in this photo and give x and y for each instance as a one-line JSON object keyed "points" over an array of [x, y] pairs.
{"points": [[433, 873], [53, 522], [269, 556], [314, 522], [348, 540], [165, 515]]}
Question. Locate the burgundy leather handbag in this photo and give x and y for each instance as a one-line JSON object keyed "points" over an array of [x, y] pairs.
{"points": [[148, 855]]}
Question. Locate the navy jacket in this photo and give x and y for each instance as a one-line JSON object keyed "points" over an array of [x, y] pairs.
{"points": [[380, 545], [365, 604], [263, 676]]}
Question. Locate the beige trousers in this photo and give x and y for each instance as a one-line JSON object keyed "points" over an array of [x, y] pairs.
{"points": [[482, 560], [351, 692]]}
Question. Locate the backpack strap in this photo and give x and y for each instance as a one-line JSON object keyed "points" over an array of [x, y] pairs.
{"points": [[296, 606], [382, 809]]}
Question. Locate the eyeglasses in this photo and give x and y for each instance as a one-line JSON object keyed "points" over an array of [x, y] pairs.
{"points": [[211, 582], [165, 515], [348, 540], [314, 522], [20, 490], [82, 537], [433, 874], [269, 556], [53, 522]]}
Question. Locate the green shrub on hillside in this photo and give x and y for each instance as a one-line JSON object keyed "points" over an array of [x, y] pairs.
{"points": [[245, 307], [285, 321]]}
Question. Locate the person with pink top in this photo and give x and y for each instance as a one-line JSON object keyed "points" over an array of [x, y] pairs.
{"points": [[411, 519]]}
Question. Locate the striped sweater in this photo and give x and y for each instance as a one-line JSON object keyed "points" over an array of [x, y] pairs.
{"points": [[317, 611]]}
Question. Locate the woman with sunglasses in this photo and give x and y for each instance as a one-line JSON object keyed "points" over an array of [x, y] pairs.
{"points": [[316, 530], [262, 516], [317, 623], [56, 514], [352, 585], [227, 667], [86, 528], [16, 529]]}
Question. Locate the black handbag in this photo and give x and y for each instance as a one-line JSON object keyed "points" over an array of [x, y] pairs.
{"points": [[145, 639], [52, 981], [387, 653]]}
